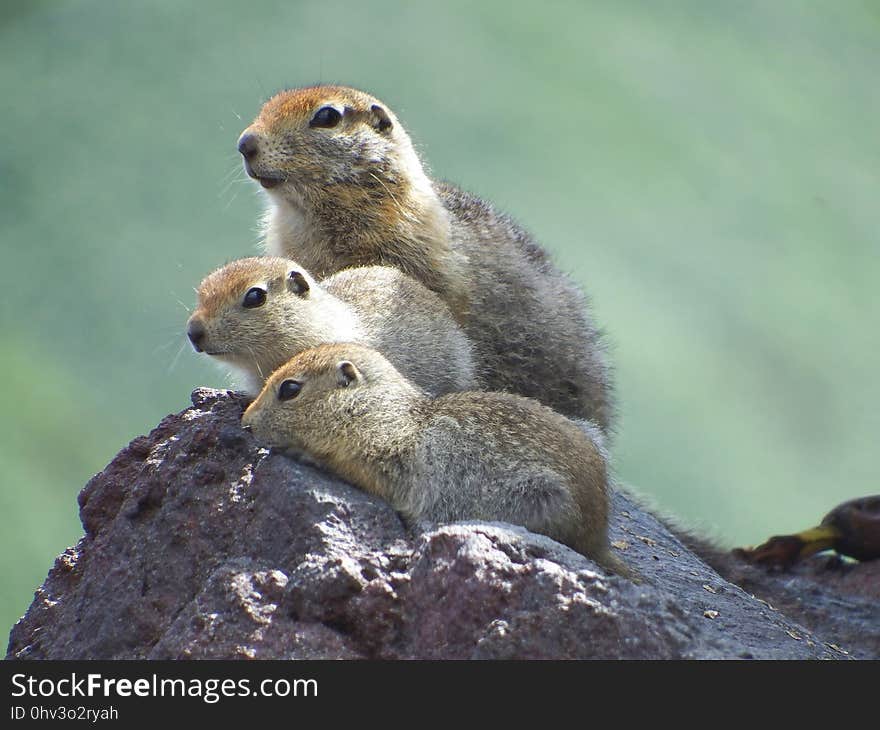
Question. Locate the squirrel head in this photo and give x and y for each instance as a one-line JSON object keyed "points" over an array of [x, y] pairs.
{"points": [[325, 399], [306, 144], [254, 313]]}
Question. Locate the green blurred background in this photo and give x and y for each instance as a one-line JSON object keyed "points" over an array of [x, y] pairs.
{"points": [[707, 170]]}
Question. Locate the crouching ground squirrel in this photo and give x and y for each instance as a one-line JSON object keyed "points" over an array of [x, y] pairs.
{"points": [[472, 455], [346, 188], [254, 314]]}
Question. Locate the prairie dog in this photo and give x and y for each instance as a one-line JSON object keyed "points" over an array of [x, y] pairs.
{"points": [[469, 455], [256, 313], [346, 188]]}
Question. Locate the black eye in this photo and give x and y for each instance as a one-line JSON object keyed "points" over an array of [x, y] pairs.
{"points": [[288, 389], [326, 116], [255, 297]]}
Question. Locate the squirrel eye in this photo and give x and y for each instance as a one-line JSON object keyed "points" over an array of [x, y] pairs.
{"points": [[255, 297], [326, 117], [288, 389]]}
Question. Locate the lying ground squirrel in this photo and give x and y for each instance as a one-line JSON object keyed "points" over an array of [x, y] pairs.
{"points": [[473, 455], [254, 314], [346, 188]]}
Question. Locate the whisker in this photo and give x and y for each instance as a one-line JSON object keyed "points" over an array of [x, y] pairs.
{"points": [[256, 362], [406, 214], [167, 328], [232, 199], [158, 348], [177, 356], [231, 173], [227, 187]]}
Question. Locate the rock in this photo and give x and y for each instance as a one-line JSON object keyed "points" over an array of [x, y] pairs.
{"points": [[199, 544], [837, 599]]}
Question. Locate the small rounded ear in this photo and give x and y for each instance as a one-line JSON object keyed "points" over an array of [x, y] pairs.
{"points": [[381, 120], [346, 373], [297, 283]]}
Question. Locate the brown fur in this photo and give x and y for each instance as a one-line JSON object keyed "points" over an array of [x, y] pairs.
{"points": [[376, 306], [469, 455], [357, 194]]}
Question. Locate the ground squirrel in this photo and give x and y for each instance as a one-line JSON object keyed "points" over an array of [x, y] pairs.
{"points": [[472, 455], [346, 188], [256, 313]]}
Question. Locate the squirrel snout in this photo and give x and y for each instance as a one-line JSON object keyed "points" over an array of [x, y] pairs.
{"points": [[247, 145], [195, 330]]}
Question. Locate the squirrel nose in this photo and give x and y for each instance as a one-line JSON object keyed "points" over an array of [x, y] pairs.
{"points": [[195, 330], [247, 145]]}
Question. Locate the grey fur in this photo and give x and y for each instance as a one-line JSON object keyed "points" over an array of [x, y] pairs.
{"points": [[529, 323], [462, 456], [354, 195], [410, 325], [376, 306]]}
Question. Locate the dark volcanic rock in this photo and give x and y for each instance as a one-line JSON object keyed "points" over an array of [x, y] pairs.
{"points": [[836, 599], [199, 544]]}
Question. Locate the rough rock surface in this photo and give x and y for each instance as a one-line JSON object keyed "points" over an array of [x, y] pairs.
{"points": [[836, 599], [198, 544]]}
